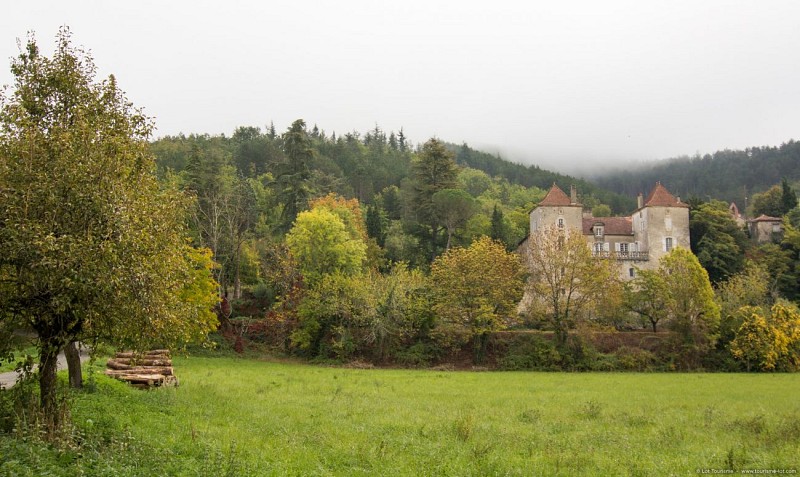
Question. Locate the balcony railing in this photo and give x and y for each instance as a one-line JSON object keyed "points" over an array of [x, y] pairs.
{"points": [[635, 256]]}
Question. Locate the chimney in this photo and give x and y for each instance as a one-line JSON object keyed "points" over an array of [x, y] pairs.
{"points": [[639, 201], [573, 194]]}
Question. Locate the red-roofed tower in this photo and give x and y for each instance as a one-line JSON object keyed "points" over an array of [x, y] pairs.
{"points": [[661, 223], [558, 210]]}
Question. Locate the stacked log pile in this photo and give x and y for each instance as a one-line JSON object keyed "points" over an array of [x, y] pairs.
{"points": [[151, 368]]}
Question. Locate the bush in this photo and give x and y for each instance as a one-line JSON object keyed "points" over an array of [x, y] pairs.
{"points": [[418, 355], [634, 359], [579, 354], [530, 352]]}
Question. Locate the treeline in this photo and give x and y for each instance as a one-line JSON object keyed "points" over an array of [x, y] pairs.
{"points": [[725, 175], [534, 176], [415, 202], [368, 248]]}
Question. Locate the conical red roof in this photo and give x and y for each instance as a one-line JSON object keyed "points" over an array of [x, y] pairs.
{"points": [[555, 197], [660, 197]]}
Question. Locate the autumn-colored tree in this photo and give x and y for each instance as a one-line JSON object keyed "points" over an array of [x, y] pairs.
{"points": [[477, 289], [769, 341], [320, 242], [690, 304], [348, 210], [749, 288], [566, 282], [91, 247]]}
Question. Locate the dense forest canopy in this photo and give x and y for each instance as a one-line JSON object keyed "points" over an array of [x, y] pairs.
{"points": [[360, 165], [725, 175]]}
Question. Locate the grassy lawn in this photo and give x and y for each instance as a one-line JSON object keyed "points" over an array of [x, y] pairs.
{"points": [[245, 417]]}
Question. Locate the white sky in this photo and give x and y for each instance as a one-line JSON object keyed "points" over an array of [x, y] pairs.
{"points": [[557, 83]]}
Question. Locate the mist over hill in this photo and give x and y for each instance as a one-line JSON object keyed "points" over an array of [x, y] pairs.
{"points": [[729, 175]]}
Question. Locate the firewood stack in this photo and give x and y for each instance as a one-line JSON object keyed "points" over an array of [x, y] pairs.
{"points": [[151, 368]]}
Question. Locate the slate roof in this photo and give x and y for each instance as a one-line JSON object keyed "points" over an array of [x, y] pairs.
{"points": [[611, 225], [661, 197], [556, 197]]}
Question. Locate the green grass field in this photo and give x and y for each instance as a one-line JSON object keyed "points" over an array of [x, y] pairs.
{"points": [[245, 417]]}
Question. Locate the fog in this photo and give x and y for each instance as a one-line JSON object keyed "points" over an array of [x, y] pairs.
{"points": [[565, 85]]}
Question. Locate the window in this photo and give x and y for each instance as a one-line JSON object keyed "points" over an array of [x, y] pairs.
{"points": [[598, 230], [560, 223], [632, 272], [623, 247], [668, 244], [598, 247]]}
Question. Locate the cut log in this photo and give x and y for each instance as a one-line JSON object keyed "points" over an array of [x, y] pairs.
{"points": [[139, 362], [115, 366], [161, 353], [142, 378], [165, 370]]}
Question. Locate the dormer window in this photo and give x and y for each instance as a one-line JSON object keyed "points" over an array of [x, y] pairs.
{"points": [[598, 230]]}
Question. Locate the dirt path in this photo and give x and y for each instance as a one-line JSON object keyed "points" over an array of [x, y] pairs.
{"points": [[9, 379]]}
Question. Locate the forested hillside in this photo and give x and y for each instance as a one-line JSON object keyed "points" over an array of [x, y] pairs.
{"points": [[360, 165], [726, 175]]}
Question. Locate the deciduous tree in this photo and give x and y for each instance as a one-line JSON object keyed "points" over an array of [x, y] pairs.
{"points": [[322, 245], [90, 246], [477, 289], [566, 281], [690, 304], [452, 208], [646, 296], [769, 341], [716, 240]]}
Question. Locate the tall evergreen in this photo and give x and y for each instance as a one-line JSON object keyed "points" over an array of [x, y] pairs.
{"points": [[294, 175], [788, 197], [434, 169], [497, 226]]}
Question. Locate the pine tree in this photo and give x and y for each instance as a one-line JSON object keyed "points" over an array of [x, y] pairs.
{"points": [[788, 197]]}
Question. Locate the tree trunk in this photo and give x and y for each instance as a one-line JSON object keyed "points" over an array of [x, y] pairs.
{"points": [[48, 365], [74, 365], [654, 323]]}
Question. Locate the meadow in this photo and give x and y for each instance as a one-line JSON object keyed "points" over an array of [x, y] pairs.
{"points": [[233, 416]]}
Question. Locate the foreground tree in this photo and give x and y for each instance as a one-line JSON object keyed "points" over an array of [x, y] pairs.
{"points": [[477, 289], [90, 247], [566, 281]]}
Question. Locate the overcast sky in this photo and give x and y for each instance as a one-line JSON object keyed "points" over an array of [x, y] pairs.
{"points": [[555, 83]]}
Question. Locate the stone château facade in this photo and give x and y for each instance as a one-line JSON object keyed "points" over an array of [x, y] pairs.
{"points": [[659, 224]]}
